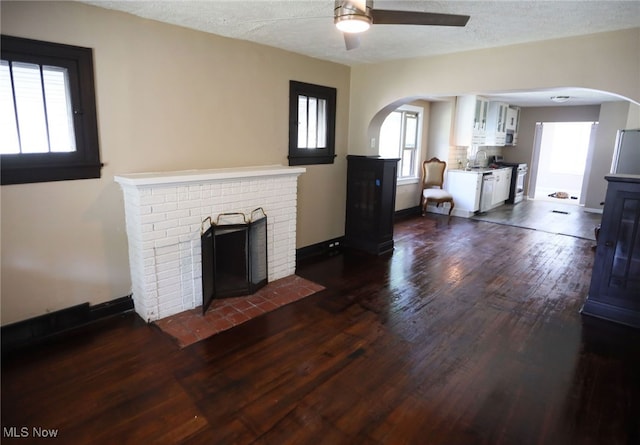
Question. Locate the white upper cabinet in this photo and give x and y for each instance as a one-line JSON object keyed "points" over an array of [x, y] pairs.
{"points": [[496, 124], [513, 118], [470, 120], [513, 122]]}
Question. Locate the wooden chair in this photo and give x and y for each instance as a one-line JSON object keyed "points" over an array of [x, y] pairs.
{"points": [[432, 180]]}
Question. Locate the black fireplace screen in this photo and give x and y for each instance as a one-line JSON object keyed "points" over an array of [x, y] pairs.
{"points": [[234, 256]]}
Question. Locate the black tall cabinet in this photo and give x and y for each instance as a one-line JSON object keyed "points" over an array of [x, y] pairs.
{"points": [[371, 199], [614, 293]]}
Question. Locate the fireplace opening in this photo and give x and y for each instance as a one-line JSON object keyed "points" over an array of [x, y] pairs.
{"points": [[234, 256]]}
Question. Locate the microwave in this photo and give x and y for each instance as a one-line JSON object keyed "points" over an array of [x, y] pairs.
{"points": [[509, 138]]}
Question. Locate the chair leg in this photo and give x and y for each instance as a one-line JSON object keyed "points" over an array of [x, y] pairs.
{"points": [[451, 209]]}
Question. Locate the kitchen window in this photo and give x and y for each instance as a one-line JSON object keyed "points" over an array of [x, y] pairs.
{"points": [[48, 125], [312, 119], [400, 137]]}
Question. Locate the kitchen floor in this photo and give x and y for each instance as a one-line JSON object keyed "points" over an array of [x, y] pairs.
{"points": [[546, 216]]}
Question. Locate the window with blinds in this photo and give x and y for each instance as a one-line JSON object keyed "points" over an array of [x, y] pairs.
{"points": [[35, 109], [312, 119], [48, 124]]}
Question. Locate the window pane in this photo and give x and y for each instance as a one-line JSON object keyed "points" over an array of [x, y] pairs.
{"points": [[390, 136], [30, 106], [312, 123], [322, 124], [302, 121], [59, 110], [407, 163], [411, 133], [9, 143]]}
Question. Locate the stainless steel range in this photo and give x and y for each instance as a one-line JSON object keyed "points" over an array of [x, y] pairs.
{"points": [[518, 177]]}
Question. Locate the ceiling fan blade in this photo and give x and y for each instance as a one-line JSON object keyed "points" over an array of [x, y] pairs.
{"points": [[390, 17], [351, 41]]}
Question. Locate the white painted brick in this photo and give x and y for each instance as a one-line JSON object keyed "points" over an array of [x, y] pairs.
{"points": [[178, 230], [171, 265], [152, 218], [151, 199], [177, 214], [169, 224], [169, 285], [163, 190], [163, 226], [155, 235], [164, 208], [167, 258], [169, 241]]}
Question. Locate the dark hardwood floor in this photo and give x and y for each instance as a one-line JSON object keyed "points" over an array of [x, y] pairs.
{"points": [[469, 333]]}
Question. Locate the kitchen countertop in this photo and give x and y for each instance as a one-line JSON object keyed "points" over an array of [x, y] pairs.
{"points": [[477, 170]]}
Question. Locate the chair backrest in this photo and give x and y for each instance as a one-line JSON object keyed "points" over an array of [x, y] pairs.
{"points": [[433, 173]]}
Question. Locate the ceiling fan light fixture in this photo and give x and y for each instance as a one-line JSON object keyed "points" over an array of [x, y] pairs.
{"points": [[352, 16], [353, 23]]}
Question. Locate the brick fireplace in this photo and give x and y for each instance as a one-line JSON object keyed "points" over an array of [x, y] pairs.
{"points": [[164, 214]]}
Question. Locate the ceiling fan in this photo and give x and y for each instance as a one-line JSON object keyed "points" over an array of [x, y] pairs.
{"points": [[356, 16]]}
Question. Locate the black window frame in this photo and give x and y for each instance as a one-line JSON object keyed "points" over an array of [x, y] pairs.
{"points": [[84, 163], [308, 156]]}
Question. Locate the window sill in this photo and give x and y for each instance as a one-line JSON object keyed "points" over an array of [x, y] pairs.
{"points": [[408, 181], [310, 160]]}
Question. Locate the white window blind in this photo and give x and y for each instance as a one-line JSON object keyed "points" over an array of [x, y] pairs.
{"points": [[36, 115], [312, 122]]}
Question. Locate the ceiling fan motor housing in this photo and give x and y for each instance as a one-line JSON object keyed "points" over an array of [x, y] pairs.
{"points": [[346, 10]]}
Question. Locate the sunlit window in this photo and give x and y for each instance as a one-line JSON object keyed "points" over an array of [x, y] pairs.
{"points": [[48, 124], [400, 138], [35, 109], [312, 120]]}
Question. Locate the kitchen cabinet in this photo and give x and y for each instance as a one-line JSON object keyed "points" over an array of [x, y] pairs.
{"points": [[513, 118], [371, 199], [465, 186], [614, 293], [496, 124], [470, 120], [512, 125], [502, 185]]}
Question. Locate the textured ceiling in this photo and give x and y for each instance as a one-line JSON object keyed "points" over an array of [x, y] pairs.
{"points": [[306, 26]]}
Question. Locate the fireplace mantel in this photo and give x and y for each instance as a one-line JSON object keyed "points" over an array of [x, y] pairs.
{"points": [[194, 176], [164, 213]]}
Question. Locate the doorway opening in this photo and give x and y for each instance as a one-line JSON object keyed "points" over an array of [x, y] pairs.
{"points": [[563, 152]]}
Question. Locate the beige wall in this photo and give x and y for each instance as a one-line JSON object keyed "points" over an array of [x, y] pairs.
{"points": [[168, 98]]}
